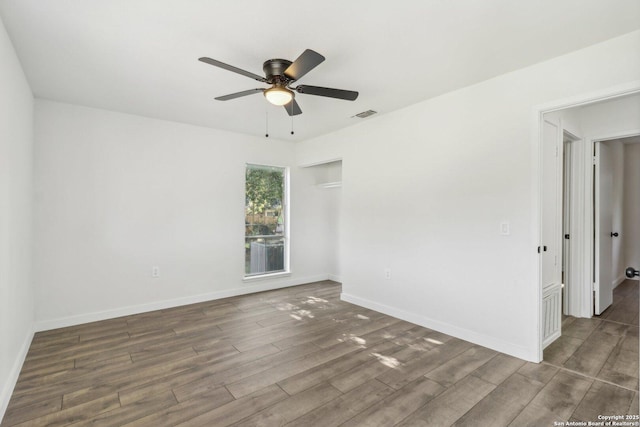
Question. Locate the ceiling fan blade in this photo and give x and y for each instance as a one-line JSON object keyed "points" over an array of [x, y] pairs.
{"points": [[348, 95], [306, 62], [216, 63], [293, 109], [239, 94]]}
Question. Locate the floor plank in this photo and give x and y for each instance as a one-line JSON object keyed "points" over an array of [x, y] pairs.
{"points": [[345, 407], [84, 412], [424, 363], [398, 405], [238, 409], [452, 404], [17, 415], [498, 369], [184, 411], [460, 366], [148, 405], [604, 399], [555, 402], [296, 383], [503, 404], [293, 407]]}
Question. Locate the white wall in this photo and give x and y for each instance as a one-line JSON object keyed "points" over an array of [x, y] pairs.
{"points": [[16, 143], [426, 188], [632, 205], [117, 194]]}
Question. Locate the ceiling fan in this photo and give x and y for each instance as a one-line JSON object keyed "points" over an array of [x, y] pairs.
{"points": [[281, 74]]}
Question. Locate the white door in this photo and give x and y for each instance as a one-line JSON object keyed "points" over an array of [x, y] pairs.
{"points": [[550, 248], [603, 285]]}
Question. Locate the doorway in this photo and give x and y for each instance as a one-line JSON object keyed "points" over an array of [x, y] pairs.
{"points": [[580, 129], [616, 210]]}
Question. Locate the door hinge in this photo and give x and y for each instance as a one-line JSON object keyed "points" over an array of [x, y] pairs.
{"points": [[594, 160]]}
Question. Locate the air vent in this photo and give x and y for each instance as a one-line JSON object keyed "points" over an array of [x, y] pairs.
{"points": [[365, 114]]}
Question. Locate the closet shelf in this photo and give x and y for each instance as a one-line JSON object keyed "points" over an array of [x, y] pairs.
{"points": [[334, 184]]}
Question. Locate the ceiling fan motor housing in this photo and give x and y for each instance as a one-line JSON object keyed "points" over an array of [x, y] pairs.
{"points": [[274, 71]]}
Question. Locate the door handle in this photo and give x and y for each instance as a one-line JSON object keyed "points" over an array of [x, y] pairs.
{"points": [[614, 234], [631, 272]]}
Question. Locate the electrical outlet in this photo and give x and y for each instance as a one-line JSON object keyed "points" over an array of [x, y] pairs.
{"points": [[387, 273], [505, 228], [155, 271]]}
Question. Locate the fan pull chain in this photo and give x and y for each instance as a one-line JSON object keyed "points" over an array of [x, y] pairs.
{"points": [[292, 117], [266, 113]]}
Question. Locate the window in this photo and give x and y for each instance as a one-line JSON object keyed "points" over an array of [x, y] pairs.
{"points": [[266, 222]]}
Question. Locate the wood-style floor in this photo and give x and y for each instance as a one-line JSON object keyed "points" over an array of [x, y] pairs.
{"points": [[604, 347], [297, 356]]}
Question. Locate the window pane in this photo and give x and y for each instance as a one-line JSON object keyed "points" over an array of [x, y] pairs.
{"points": [[264, 219], [264, 255]]}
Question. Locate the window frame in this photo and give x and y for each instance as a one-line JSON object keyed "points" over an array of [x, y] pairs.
{"points": [[286, 229]]}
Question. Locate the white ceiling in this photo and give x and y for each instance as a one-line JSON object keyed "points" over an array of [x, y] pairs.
{"points": [[140, 56]]}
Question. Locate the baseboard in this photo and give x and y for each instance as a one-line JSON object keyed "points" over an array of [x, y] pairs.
{"points": [[335, 278], [619, 280], [464, 334], [9, 385], [45, 325]]}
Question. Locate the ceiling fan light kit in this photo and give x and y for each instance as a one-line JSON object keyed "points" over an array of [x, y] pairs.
{"points": [[278, 95], [281, 74]]}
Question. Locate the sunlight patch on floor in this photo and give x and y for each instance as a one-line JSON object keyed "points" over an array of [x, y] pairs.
{"points": [[421, 346], [305, 313], [354, 339], [286, 306], [300, 314], [389, 361], [363, 317], [425, 344], [313, 300]]}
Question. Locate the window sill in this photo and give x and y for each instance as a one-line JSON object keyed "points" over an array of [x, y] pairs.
{"points": [[266, 276]]}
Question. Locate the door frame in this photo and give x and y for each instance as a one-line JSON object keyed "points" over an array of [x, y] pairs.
{"points": [[536, 177]]}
